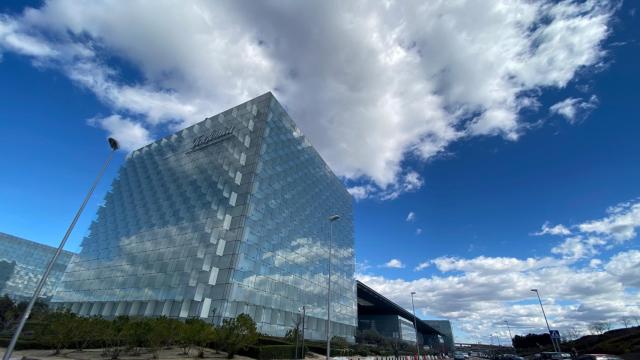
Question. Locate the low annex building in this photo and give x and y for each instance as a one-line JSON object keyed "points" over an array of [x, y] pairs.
{"points": [[22, 263], [376, 312]]}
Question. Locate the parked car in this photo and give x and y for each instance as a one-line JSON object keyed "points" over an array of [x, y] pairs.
{"points": [[511, 357], [549, 355], [458, 355], [598, 357]]}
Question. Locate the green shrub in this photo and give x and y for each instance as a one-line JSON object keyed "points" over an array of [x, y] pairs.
{"points": [[268, 352], [238, 334]]}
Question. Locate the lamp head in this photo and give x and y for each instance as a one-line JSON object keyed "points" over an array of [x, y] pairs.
{"points": [[113, 143], [334, 217], [534, 290], [413, 293]]}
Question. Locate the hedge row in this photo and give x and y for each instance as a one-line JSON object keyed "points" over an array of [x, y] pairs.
{"points": [[24, 344]]}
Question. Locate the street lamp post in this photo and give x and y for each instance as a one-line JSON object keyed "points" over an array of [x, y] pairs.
{"points": [[332, 218], [545, 320], [509, 329], [7, 355], [415, 326], [510, 336], [304, 315]]}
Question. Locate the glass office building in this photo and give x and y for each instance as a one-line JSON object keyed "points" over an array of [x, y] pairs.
{"points": [[225, 217], [22, 263]]}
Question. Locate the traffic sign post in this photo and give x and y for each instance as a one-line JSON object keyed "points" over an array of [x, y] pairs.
{"points": [[555, 338]]}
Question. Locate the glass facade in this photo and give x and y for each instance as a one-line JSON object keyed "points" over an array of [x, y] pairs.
{"points": [[22, 263], [390, 325], [445, 342], [225, 217], [407, 331]]}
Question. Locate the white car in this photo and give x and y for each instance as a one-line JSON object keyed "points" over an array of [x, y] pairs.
{"points": [[459, 355]]}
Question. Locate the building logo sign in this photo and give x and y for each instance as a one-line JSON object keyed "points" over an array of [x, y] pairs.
{"points": [[211, 138]]}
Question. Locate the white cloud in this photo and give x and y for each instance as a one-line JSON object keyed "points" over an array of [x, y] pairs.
{"points": [[578, 247], [552, 230], [620, 225], [574, 109], [408, 182], [361, 192], [411, 216], [394, 264], [418, 231], [594, 263], [485, 291], [626, 266], [590, 237], [492, 264], [130, 135], [362, 266], [13, 40], [378, 82]]}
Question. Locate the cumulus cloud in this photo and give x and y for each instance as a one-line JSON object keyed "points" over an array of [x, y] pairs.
{"points": [[130, 134], [626, 266], [370, 84], [578, 247], [590, 237], [574, 109], [411, 216], [594, 263], [552, 230], [577, 288], [620, 225], [360, 192], [394, 264], [483, 292]]}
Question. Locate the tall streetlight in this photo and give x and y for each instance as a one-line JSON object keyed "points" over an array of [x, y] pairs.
{"points": [[332, 218], [545, 319], [415, 326], [510, 336], [7, 355], [304, 316]]}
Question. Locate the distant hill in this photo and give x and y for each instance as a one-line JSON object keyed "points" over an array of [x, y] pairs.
{"points": [[615, 342]]}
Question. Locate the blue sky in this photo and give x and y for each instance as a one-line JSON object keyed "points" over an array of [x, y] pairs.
{"points": [[481, 143]]}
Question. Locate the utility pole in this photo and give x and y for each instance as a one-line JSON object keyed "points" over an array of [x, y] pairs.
{"points": [[7, 355], [510, 336], [332, 218], [556, 349], [415, 326], [304, 315]]}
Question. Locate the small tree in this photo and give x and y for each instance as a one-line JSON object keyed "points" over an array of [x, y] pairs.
{"points": [[135, 334], [84, 331], [196, 334], [58, 331], [572, 333], [7, 311], [102, 333], [599, 327], [292, 335], [238, 333], [162, 333], [626, 321], [115, 336]]}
